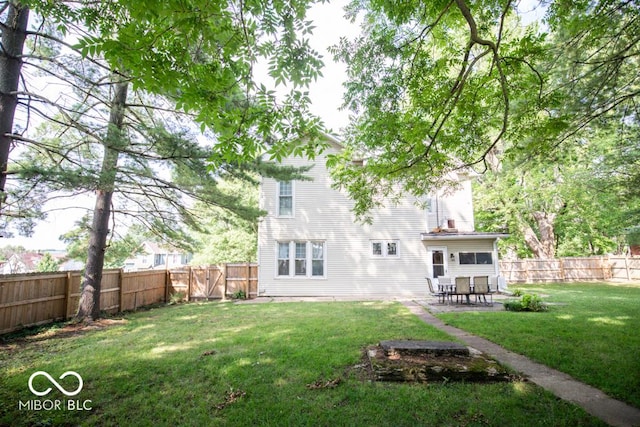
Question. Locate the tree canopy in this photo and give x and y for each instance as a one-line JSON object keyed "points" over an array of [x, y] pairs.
{"points": [[449, 85], [198, 58]]}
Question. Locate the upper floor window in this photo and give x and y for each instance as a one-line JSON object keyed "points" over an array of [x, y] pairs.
{"points": [[430, 205], [285, 198]]}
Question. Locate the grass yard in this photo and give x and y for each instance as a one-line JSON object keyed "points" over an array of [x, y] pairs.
{"points": [[591, 332], [254, 364]]}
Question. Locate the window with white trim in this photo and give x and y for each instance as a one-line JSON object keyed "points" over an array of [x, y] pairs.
{"points": [[475, 258], [301, 259], [283, 259], [285, 198], [385, 248]]}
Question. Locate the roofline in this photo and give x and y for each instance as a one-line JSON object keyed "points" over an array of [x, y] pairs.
{"points": [[462, 236], [333, 139]]}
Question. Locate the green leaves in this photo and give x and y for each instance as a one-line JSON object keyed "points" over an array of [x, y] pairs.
{"points": [[202, 55]]}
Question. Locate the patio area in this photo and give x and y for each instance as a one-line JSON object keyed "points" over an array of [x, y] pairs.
{"points": [[435, 305]]}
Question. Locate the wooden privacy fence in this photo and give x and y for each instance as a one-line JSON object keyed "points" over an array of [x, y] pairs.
{"points": [[39, 298], [626, 268], [570, 269], [215, 281]]}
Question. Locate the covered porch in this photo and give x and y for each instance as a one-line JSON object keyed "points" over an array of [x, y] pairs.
{"points": [[453, 254]]}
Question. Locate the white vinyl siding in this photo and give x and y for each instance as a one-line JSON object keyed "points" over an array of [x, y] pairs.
{"points": [[344, 259], [344, 262]]}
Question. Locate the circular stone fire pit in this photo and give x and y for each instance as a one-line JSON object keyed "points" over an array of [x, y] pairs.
{"points": [[433, 361]]}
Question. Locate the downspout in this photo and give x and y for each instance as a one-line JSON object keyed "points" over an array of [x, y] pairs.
{"points": [[496, 267]]}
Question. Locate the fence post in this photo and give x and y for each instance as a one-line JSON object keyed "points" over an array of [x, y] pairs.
{"points": [[121, 296], [562, 274], [248, 281], [189, 284], [67, 294], [226, 276], [167, 284], [626, 267]]}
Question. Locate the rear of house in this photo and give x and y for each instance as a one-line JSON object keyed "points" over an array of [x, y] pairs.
{"points": [[310, 244]]}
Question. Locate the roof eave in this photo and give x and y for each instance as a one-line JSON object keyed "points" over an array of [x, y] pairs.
{"points": [[458, 236]]}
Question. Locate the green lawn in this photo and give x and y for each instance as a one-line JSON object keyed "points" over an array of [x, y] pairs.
{"points": [[591, 332], [252, 364]]}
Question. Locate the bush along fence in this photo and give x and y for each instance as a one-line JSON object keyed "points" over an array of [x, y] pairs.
{"points": [[39, 298]]}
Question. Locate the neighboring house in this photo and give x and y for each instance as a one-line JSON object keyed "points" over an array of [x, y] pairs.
{"points": [[25, 262], [309, 243], [153, 255]]}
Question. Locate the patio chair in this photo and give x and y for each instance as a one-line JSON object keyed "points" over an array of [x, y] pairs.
{"points": [[439, 294], [481, 288], [463, 287], [445, 286]]}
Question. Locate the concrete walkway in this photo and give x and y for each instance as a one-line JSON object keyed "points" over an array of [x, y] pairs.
{"points": [[592, 400]]}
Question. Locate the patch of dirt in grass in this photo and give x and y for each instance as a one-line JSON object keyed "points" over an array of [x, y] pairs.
{"points": [[375, 365], [23, 338], [230, 397]]}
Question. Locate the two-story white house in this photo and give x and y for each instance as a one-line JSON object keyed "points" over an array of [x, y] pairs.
{"points": [[310, 244]]}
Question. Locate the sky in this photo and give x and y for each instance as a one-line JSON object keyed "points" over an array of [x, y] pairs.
{"points": [[326, 95]]}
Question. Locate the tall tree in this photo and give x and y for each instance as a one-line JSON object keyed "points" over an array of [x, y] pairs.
{"points": [[120, 246], [571, 204], [89, 305], [443, 86], [47, 264], [15, 18], [224, 237]]}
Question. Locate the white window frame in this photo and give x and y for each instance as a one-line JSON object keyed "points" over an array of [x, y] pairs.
{"points": [[308, 259], [385, 248], [293, 200]]}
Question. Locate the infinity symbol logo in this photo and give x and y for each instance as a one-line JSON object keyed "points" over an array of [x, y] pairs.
{"points": [[55, 383]]}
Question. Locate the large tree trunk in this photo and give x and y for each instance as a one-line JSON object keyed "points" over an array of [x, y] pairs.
{"points": [[544, 245], [13, 37], [89, 307]]}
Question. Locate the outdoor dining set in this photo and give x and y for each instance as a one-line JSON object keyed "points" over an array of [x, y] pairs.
{"points": [[462, 287]]}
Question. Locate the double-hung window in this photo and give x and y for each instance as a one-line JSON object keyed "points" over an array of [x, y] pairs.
{"points": [[285, 198], [283, 259], [317, 259], [301, 259]]}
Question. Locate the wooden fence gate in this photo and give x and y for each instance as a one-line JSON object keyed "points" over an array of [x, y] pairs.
{"points": [[207, 283], [215, 282]]}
